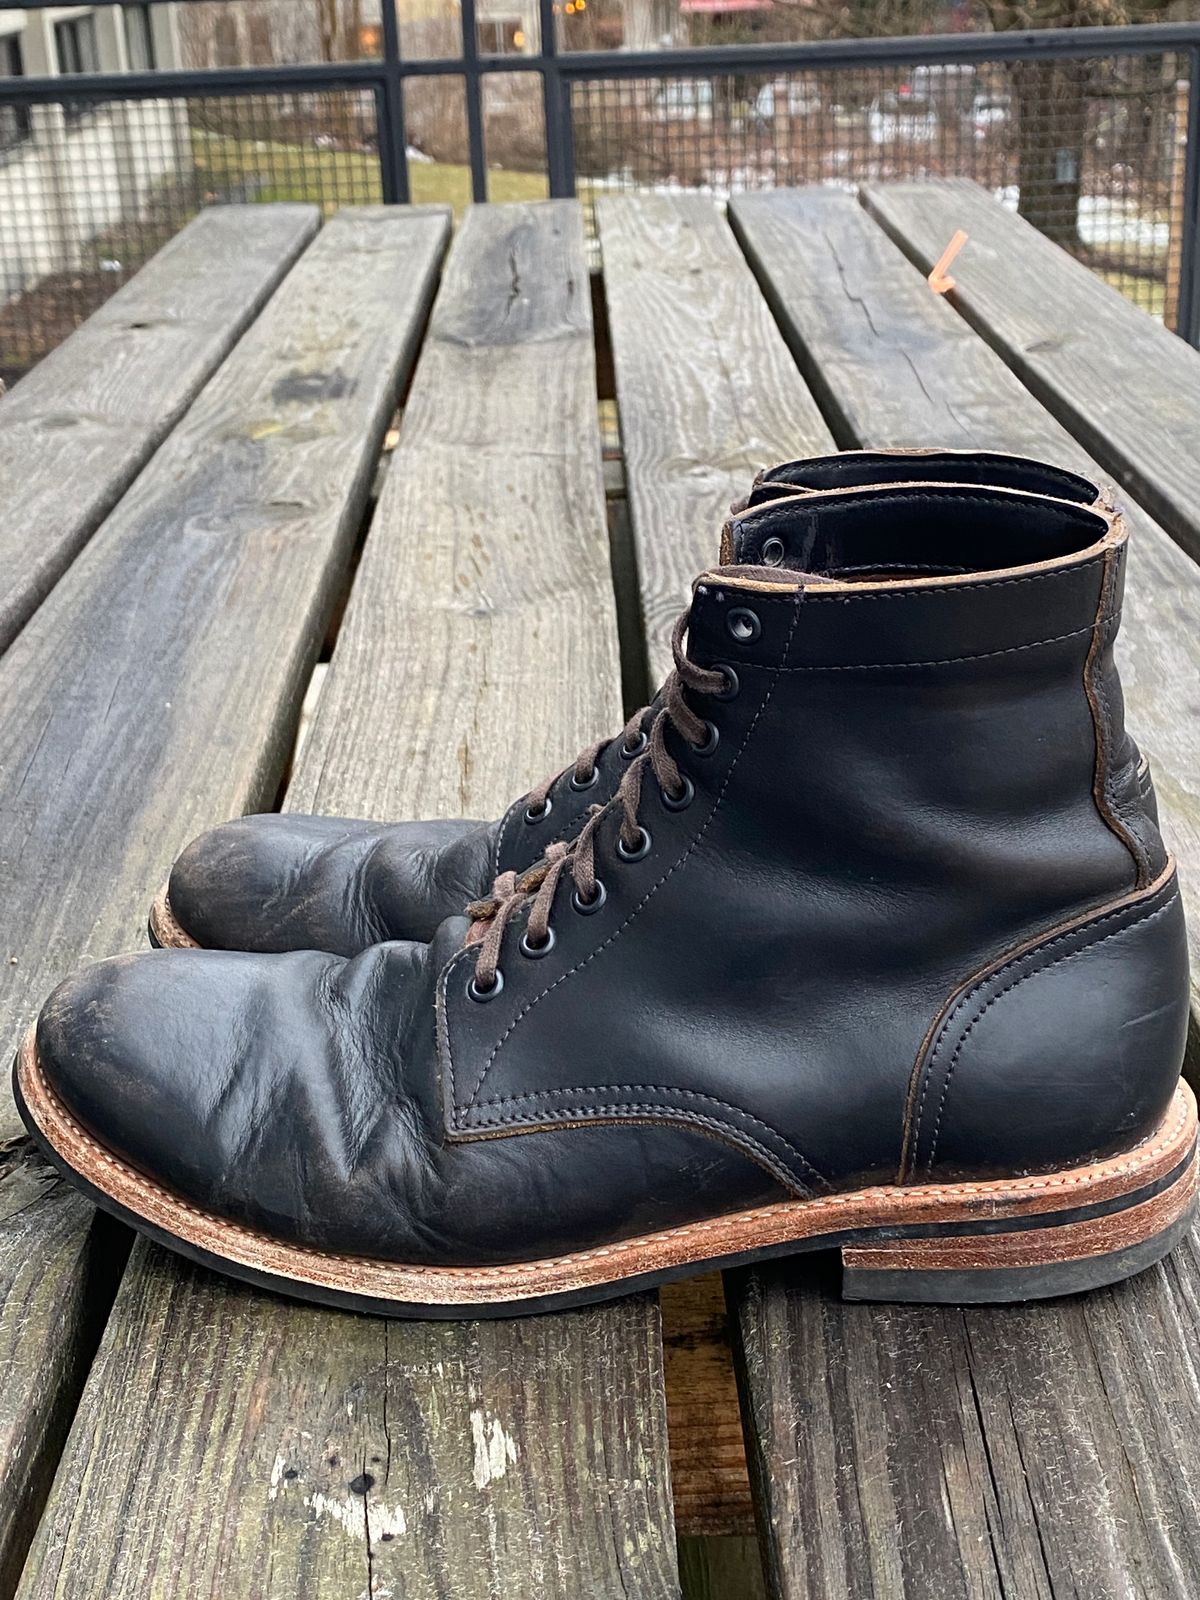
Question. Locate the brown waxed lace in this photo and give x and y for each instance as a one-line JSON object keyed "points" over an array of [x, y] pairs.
{"points": [[510, 892]]}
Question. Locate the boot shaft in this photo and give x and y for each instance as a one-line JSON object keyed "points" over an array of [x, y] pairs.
{"points": [[919, 779], [948, 706]]}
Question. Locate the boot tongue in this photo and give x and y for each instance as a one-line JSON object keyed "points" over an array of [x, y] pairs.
{"points": [[908, 530]]}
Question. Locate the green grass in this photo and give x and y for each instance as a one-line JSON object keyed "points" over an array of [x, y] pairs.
{"points": [[332, 178], [1149, 293]]}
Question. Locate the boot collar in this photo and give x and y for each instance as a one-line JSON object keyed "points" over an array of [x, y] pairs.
{"points": [[921, 574]]}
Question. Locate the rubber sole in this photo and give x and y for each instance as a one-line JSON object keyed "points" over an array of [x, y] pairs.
{"points": [[1001, 1240], [164, 930]]}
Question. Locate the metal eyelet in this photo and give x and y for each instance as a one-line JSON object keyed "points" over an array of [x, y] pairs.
{"points": [[773, 552], [590, 784], [712, 739], [733, 683], [634, 852], [743, 625], [482, 996], [681, 801], [630, 753], [532, 816], [536, 951], [588, 908]]}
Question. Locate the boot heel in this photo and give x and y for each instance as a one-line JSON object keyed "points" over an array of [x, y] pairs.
{"points": [[1024, 1262]]}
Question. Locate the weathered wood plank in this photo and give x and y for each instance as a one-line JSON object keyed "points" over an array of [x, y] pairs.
{"points": [[312, 1453], [1126, 387], [58, 1269], [707, 393], [154, 689], [706, 390], [1047, 1451], [708, 1453], [78, 428], [894, 365]]}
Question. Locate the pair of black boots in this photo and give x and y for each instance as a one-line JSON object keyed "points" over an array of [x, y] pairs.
{"points": [[862, 935]]}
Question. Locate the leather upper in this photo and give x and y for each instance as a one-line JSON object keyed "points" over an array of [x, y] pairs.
{"points": [[287, 882], [910, 915]]}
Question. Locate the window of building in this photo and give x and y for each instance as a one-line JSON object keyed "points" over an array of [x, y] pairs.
{"points": [[14, 120], [77, 51], [139, 39], [500, 36]]}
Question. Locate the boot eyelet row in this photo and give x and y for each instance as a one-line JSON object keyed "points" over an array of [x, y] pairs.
{"points": [[535, 952], [482, 996], [712, 738], [588, 908], [733, 684], [536, 814], [630, 752], [682, 800], [743, 625], [589, 783], [773, 552], [637, 851]]}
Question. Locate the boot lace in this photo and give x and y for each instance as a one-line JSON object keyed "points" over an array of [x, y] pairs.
{"points": [[538, 886]]}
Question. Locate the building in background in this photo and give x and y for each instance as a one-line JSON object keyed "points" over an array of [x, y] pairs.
{"points": [[72, 172]]}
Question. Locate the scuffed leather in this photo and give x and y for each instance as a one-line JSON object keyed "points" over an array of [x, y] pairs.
{"points": [[297, 1094], [903, 795], [280, 882], [276, 882]]}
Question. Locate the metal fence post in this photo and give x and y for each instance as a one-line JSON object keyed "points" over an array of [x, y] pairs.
{"points": [[1187, 323], [473, 90], [556, 109], [389, 111]]}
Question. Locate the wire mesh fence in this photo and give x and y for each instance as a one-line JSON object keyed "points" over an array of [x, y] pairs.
{"points": [[97, 172], [95, 190], [1091, 151]]}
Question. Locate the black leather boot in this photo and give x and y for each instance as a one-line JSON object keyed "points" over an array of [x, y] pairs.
{"points": [[281, 882], [877, 947]]}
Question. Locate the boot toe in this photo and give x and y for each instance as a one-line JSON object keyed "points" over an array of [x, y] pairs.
{"points": [[153, 1056], [256, 884], [267, 1091]]}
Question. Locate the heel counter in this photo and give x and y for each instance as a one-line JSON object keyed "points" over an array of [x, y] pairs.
{"points": [[1069, 1049], [1132, 797]]}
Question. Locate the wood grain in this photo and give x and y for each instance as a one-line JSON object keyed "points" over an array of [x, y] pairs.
{"points": [[706, 390], [59, 1267], [78, 428], [231, 1443], [708, 1454], [154, 690], [707, 393], [1044, 1451], [897, 1452], [895, 365], [1124, 385]]}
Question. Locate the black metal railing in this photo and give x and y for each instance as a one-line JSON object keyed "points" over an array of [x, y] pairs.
{"points": [[1093, 132]]}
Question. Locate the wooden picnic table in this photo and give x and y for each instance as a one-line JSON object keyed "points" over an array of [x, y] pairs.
{"points": [[380, 444]]}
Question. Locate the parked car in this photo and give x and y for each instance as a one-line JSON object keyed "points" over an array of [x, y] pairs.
{"points": [[902, 117]]}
